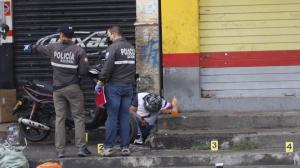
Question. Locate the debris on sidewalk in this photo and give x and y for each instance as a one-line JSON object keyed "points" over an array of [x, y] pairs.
{"points": [[12, 156], [49, 164]]}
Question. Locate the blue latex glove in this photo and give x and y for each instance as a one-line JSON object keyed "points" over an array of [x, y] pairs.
{"points": [[27, 48], [98, 88]]}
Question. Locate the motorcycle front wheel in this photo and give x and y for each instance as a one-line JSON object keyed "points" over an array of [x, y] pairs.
{"points": [[34, 134]]}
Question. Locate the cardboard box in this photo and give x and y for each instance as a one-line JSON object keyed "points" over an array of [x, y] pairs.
{"points": [[7, 103]]}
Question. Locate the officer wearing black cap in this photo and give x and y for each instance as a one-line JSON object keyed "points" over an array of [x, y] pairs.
{"points": [[69, 62]]}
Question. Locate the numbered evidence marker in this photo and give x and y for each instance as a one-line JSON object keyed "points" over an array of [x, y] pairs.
{"points": [[100, 148], [289, 147], [86, 137], [214, 145]]}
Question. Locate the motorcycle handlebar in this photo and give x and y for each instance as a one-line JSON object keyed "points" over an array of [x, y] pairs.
{"points": [[101, 54], [92, 54]]}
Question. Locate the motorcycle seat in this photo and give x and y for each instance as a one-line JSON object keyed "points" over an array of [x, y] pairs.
{"points": [[43, 86]]}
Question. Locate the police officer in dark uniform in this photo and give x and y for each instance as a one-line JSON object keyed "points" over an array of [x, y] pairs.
{"points": [[68, 61], [118, 74]]}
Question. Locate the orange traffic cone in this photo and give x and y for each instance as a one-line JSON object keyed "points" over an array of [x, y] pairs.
{"points": [[175, 107], [49, 165]]}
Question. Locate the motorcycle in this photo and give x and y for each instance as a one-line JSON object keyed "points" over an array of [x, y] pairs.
{"points": [[36, 114]]}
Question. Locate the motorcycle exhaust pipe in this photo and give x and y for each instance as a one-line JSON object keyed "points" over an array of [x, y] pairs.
{"points": [[33, 124]]}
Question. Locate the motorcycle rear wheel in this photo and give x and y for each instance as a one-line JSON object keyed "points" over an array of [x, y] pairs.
{"points": [[34, 134]]}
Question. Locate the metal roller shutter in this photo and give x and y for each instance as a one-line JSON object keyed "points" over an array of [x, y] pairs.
{"points": [[250, 48], [34, 19]]}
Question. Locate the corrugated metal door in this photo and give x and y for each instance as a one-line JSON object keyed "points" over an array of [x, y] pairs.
{"points": [[35, 19], [250, 48]]}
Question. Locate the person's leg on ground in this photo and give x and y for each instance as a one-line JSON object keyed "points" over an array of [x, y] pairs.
{"points": [[139, 138], [61, 106], [145, 129], [113, 105], [76, 101], [124, 118]]}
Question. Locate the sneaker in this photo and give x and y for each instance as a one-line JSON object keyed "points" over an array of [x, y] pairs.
{"points": [[125, 151], [60, 154], [83, 152], [138, 141], [107, 152]]}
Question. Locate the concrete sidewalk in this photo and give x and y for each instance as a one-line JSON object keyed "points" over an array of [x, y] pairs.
{"points": [[183, 138], [143, 157]]}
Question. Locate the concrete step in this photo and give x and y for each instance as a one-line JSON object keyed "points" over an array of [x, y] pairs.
{"points": [[239, 139], [256, 166], [142, 158], [230, 120]]}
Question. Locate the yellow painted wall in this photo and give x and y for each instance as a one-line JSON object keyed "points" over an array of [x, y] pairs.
{"points": [[249, 25], [180, 26]]}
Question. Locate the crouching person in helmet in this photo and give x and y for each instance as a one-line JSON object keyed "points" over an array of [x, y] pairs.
{"points": [[146, 107]]}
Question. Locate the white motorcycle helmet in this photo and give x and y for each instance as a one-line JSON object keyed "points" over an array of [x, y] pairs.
{"points": [[152, 103]]}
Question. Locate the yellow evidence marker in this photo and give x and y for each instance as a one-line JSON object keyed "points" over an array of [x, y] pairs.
{"points": [[86, 137], [100, 148], [214, 145], [289, 147]]}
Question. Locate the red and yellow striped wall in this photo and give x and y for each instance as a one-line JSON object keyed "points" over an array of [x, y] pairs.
{"points": [[180, 33], [231, 33]]}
